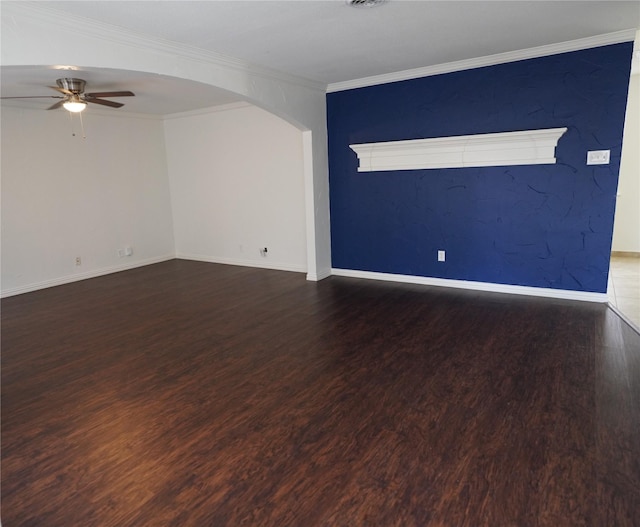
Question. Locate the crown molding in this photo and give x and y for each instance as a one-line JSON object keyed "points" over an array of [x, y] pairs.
{"points": [[490, 60], [93, 29], [211, 109]]}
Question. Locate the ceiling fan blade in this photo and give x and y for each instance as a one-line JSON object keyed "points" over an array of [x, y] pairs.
{"points": [[111, 94], [56, 105], [61, 90], [104, 103], [36, 97]]}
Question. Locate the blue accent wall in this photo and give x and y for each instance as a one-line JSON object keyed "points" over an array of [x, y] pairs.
{"points": [[540, 225]]}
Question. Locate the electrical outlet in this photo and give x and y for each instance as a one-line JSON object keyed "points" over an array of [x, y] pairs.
{"points": [[441, 256], [263, 252], [78, 260], [598, 157]]}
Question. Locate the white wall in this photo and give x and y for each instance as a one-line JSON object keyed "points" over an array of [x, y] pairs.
{"points": [[237, 184], [33, 35], [626, 230], [65, 196]]}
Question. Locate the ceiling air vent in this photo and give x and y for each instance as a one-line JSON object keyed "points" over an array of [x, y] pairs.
{"points": [[365, 3]]}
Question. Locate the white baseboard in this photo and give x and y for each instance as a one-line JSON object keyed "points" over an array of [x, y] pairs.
{"points": [[624, 317], [321, 275], [410, 279], [141, 263], [262, 264], [477, 286], [82, 276]]}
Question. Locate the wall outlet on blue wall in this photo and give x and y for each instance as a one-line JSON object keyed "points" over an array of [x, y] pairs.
{"points": [[598, 157], [441, 256]]}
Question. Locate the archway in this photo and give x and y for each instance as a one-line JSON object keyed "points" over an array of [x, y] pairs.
{"points": [[32, 36]]}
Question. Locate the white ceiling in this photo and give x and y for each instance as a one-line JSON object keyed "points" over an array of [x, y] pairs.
{"points": [[325, 41]]}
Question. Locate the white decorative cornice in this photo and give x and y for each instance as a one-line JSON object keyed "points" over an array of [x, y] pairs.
{"points": [[490, 60], [90, 28], [529, 147]]}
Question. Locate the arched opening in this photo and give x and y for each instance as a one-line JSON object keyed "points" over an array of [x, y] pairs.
{"points": [[217, 180]]}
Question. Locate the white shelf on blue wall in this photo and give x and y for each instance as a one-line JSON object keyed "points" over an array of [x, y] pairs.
{"points": [[529, 147]]}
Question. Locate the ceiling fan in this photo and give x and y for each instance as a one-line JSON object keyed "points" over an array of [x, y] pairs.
{"points": [[74, 99]]}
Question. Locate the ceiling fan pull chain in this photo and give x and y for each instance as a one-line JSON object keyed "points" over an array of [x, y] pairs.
{"points": [[73, 134], [82, 127]]}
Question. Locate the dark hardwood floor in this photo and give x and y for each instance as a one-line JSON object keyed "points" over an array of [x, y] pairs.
{"points": [[195, 394]]}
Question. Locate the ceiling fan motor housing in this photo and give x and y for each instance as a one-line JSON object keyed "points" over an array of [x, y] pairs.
{"points": [[72, 85]]}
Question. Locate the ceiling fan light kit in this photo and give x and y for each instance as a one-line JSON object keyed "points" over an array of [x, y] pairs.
{"points": [[74, 104]]}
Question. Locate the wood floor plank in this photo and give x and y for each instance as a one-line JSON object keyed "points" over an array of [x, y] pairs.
{"points": [[195, 394]]}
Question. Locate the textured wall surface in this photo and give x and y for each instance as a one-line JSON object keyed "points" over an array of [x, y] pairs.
{"points": [[542, 226]]}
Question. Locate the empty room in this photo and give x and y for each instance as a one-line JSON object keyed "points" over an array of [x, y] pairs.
{"points": [[320, 263]]}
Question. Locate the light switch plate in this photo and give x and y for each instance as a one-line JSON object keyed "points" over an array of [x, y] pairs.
{"points": [[598, 157]]}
